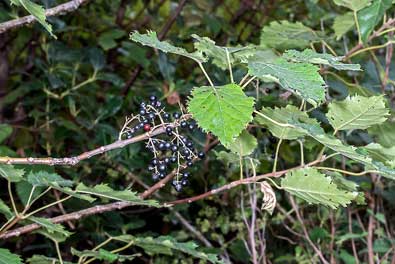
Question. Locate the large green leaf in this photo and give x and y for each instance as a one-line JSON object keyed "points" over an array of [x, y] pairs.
{"points": [[5, 131], [282, 116], [316, 188], [302, 78], [311, 56], [223, 110], [37, 11], [6, 257], [370, 16], [10, 173], [103, 255], [218, 54], [342, 24], [357, 112], [287, 35], [105, 191], [244, 144], [354, 5], [47, 179], [150, 39], [167, 245]]}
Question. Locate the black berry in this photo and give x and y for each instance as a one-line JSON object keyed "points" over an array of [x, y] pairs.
{"points": [[201, 155]]}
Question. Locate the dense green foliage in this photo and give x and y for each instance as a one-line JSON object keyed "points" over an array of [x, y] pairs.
{"points": [[294, 104]]}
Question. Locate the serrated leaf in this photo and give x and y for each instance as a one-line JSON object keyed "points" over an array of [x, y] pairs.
{"points": [[313, 57], [150, 39], [287, 35], [354, 5], [342, 24], [357, 112], [282, 116], [166, 245], [10, 173], [23, 189], [103, 190], [382, 154], [50, 227], [244, 144], [316, 188], [301, 78], [6, 257], [384, 133], [224, 110], [103, 255], [5, 131], [370, 16], [218, 53], [5, 210], [47, 179], [37, 11]]}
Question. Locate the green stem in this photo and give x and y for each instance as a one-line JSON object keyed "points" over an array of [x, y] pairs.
{"points": [[58, 251], [276, 155], [357, 25], [46, 206], [205, 73], [346, 172], [12, 198], [229, 65], [272, 120]]}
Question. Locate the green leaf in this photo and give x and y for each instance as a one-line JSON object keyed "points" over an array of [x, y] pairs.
{"points": [[384, 134], [218, 53], [282, 116], [103, 190], [5, 131], [354, 5], [313, 57], [46, 179], [166, 245], [10, 173], [6, 257], [103, 255], [370, 16], [244, 144], [107, 40], [39, 259], [23, 189], [50, 227], [287, 35], [342, 24], [35, 10], [316, 188], [382, 154], [224, 110], [357, 112], [150, 39], [301, 78], [5, 210]]}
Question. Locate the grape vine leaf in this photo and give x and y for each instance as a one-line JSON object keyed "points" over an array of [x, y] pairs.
{"points": [[5, 131], [384, 133], [167, 245], [301, 78], [287, 35], [223, 110], [342, 24], [10, 173], [35, 10], [103, 255], [103, 190], [150, 39], [316, 188], [6, 257], [219, 54], [244, 144], [354, 5], [313, 57], [46, 179], [370, 16], [357, 112], [282, 116]]}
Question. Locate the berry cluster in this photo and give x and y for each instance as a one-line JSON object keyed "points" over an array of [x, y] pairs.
{"points": [[173, 150]]}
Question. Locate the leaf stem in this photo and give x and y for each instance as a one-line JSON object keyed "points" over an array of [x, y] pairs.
{"points": [[358, 28], [46, 206], [229, 65], [243, 79], [58, 251], [12, 198], [276, 156], [205, 73], [346, 172], [248, 82]]}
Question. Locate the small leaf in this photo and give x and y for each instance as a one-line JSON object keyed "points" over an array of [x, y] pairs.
{"points": [[10, 173], [316, 188], [35, 10], [6, 257], [103, 255], [301, 78], [51, 227], [342, 24], [46, 179], [224, 110], [107, 39], [357, 112], [370, 16], [5, 131], [313, 57], [150, 39], [354, 5], [244, 144], [287, 35], [105, 191], [5, 210]]}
